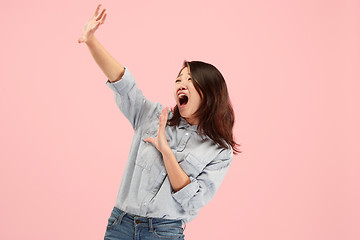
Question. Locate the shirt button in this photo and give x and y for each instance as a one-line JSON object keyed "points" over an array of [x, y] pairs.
{"points": [[144, 204], [186, 134], [163, 173]]}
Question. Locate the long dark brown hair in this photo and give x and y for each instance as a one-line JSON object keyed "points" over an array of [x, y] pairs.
{"points": [[215, 113]]}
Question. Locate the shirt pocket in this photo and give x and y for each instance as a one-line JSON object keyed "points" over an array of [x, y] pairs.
{"points": [[147, 152], [192, 166]]}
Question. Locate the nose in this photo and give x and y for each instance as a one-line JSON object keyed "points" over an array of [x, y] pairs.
{"points": [[182, 86]]}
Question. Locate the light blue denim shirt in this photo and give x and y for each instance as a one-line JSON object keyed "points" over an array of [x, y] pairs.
{"points": [[145, 189]]}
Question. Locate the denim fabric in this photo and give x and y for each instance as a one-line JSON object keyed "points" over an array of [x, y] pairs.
{"points": [[124, 226], [145, 188]]}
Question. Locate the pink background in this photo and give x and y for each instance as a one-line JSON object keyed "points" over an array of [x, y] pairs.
{"points": [[292, 69]]}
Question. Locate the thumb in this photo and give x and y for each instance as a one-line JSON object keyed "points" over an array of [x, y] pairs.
{"points": [[150, 140]]}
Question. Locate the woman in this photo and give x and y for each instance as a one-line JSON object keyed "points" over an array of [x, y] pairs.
{"points": [[174, 166]]}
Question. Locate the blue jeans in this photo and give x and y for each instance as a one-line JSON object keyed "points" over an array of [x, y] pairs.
{"points": [[125, 226]]}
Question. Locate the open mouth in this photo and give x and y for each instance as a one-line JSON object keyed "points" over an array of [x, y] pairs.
{"points": [[183, 99]]}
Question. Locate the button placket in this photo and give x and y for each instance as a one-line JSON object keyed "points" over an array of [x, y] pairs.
{"points": [[183, 142]]}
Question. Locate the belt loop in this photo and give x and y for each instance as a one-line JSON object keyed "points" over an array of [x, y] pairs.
{"points": [[121, 217], [150, 225], [183, 223]]}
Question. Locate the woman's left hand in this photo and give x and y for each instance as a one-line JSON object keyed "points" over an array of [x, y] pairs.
{"points": [[160, 141]]}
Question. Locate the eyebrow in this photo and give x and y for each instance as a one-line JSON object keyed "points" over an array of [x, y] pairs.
{"points": [[182, 74]]}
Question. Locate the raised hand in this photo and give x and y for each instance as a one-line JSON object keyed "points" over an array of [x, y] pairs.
{"points": [[160, 141], [93, 24]]}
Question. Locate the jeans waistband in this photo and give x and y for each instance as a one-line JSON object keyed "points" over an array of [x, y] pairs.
{"points": [[152, 222]]}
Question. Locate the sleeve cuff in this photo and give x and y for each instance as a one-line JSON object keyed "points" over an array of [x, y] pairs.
{"points": [[186, 193], [123, 85]]}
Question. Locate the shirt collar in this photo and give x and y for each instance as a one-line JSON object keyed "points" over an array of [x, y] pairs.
{"points": [[184, 124]]}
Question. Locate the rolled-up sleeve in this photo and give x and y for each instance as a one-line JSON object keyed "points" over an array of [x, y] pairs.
{"points": [[131, 101], [203, 188]]}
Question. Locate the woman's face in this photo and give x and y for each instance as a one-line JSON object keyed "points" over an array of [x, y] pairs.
{"points": [[187, 98]]}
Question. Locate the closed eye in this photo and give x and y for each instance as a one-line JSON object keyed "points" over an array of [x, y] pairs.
{"points": [[178, 80]]}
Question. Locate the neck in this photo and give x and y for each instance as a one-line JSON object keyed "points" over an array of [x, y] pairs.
{"points": [[192, 121]]}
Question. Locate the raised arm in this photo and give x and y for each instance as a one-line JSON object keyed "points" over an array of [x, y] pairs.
{"points": [[111, 68]]}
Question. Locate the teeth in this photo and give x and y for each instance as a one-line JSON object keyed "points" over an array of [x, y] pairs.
{"points": [[181, 95]]}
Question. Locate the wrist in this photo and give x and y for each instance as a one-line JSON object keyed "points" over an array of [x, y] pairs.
{"points": [[90, 40], [166, 153]]}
